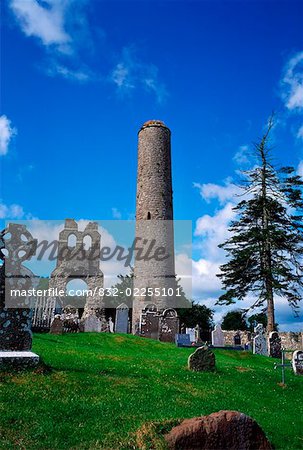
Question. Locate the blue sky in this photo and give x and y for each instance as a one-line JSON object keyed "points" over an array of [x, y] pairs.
{"points": [[80, 77]]}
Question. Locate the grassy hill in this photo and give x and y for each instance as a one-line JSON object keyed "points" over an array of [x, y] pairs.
{"points": [[103, 387]]}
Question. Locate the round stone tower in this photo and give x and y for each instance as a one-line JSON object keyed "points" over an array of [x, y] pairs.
{"points": [[154, 219], [154, 179]]}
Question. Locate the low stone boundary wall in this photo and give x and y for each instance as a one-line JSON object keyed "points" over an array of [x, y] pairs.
{"points": [[290, 340]]}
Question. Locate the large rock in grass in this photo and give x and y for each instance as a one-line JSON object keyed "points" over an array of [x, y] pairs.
{"points": [[202, 360], [230, 430]]}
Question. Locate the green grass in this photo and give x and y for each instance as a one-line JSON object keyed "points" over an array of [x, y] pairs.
{"points": [[103, 387]]}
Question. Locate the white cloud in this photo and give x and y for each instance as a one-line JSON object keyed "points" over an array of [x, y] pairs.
{"points": [[131, 73], [300, 169], [213, 230], [300, 132], [61, 27], [121, 76], [241, 157], [81, 75], [44, 21], [116, 213], [6, 134], [223, 193], [13, 211], [292, 83]]}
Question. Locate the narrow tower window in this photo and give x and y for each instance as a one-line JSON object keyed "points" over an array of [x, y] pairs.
{"points": [[148, 216]]}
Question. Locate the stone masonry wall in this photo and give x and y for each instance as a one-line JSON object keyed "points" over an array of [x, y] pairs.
{"points": [[154, 214]]}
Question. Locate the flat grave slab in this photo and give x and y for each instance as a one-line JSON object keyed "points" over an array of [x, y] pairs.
{"points": [[18, 360]]}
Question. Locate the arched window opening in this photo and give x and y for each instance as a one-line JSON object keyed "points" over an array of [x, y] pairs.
{"points": [[87, 242], [72, 240]]}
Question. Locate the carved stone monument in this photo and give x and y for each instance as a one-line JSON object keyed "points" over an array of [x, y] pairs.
{"points": [[274, 345], [217, 336], [56, 325], [191, 332], [111, 325], [182, 340], [297, 362], [121, 321], [15, 309], [150, 322], [169, 325], [203, 359], [259, 341], [92, 323]]}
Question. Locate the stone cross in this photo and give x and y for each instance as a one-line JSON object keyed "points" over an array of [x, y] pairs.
{"points": [[15, 311], [217, 336], [282, 365], [259, 341], [197, 333], [297, 362]]}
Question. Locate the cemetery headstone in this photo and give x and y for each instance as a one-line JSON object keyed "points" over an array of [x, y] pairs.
{"points": [[297, 362], [197, 334], [168, 325], [111, 325], [150, 321], [282, 365], [203, 359], [70, 317], [15, 311], [274, 345], [92, 324], [259, 341], [182, 340], [56, 325], [248, 346], [121, 322], [217, 337], [191, 332]]}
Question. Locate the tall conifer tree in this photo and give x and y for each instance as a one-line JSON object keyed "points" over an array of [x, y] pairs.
{"points": [[266, 244]]}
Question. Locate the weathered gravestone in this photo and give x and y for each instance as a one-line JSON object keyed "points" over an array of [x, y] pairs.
{"points": [[168, 325], [121, 322], [203, 359], [92, 324], [274, 345], [70, 318], [197, 334], [111, 325], [56, 325], [150, 320], [182, 340], [259, 341], [297, 362], [217, 337], [15, 311], [220, 430], [192, 334]]}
